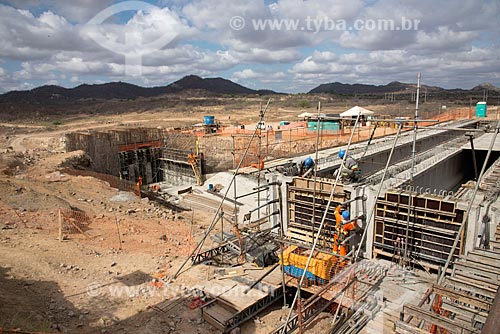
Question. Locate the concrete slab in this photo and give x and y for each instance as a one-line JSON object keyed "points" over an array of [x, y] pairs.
{"points": [[483, 143]]}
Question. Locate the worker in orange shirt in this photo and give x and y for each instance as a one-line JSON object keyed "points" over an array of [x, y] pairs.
{"points": [[342, 229], [138, 186]]}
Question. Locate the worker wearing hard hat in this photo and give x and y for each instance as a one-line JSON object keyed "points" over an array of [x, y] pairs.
{"points": [[342, 228], [350, 171], [306, 166]]}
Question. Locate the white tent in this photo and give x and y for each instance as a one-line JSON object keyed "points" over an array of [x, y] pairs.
{"points": [[307, 115], [354, 111]]}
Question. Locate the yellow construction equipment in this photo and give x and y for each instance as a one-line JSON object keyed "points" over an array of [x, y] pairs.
{"points": [[194, 161]]}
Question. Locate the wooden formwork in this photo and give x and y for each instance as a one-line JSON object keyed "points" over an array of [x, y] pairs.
{"points": [[302, 194], [462, 304], [432, 227]]}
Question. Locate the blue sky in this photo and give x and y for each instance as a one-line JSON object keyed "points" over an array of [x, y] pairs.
{"points": [[285, 45]]}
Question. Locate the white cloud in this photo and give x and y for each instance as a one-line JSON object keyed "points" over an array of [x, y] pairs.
{"points": [[444, 39], [261, 79], [74, 10], [247, 73], [49, 40], [380, 67]]}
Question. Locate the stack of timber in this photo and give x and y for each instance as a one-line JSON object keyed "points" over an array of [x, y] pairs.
{"points": [[462, 304]]}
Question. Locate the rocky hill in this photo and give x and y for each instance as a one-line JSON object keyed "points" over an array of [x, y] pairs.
{"points": [[51, 94]]}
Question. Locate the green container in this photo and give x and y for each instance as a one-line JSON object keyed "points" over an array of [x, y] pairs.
{"points": [[481, 109], [325, 125]]}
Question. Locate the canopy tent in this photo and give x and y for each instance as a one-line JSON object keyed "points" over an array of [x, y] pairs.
{"points": [[354, 111], [307, 115]]}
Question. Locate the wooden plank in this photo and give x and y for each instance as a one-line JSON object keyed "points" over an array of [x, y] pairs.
{"points": [[212, 321], [495, 244], [478, 270], [473, 258], [469, 315], [401, 327], [405, 206], [457, 316], [305, 236], [439, 320], [471, 277], [461, 297], [471, 287], [486, 253], [231, 293]]}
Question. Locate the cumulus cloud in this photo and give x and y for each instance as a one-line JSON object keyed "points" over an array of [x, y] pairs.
{"points": [[260, 79], [452, 44], [75, 10], [380, 67], [264, 76]]}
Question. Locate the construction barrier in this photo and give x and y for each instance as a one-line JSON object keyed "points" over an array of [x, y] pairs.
{"points": [[72, 222]]}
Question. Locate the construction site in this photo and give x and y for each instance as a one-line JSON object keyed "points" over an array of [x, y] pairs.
{"points": [[322, 223]]}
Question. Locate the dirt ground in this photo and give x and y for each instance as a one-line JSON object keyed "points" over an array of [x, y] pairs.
{"points": [[112, 279]]}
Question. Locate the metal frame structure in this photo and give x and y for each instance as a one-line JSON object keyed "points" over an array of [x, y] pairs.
{"points": [[209, 254], [239, 318]]}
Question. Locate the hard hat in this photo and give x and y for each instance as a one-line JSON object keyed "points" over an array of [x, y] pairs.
{"points": [[308, 163], [341, 154], [346, 215]]}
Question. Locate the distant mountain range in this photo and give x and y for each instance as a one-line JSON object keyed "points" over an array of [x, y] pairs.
{"points": [[195, 85], [393, 87], [120, 90]]}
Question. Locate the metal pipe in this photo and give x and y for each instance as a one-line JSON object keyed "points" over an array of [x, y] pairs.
{"points": [[308, 172], [471, 138], [264, 217], [281, 235], [369, 218], [403, 120], [471, 201], [313, 217], [251, 193], [221, 214], [341, 300], [264, 205], [348, 238], [197, 250], [235, 205], [267, 185], [446, 128], [320, 227], [412, 169]]}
